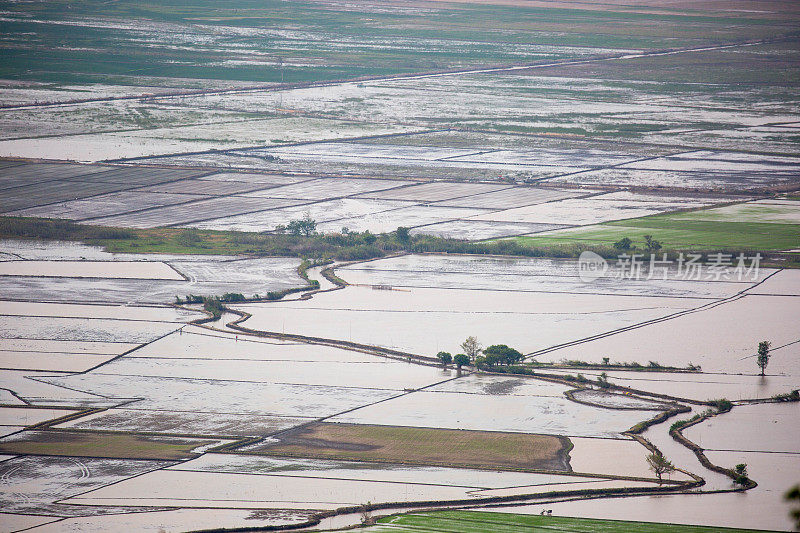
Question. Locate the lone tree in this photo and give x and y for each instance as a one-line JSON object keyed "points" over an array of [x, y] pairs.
{"points": [[623, 244], [652, 244], [304, 226], [763, 355], [741, 474], [659, 465], [460, 360], [471, 347], [445, 358]]}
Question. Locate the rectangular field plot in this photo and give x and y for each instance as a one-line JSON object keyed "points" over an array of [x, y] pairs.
{"points": [[90, 269], [223, 397], [320, 212], [155, 521], [589, 210], [164, 420], [719, 161], [321, 189], [410, 217], [566, 160], [194, 212], [523, 414], [162, 314], [265, 180], [477, 230], [48, 361], [134, 176], [768, 211], [15, 175], [699, 386], [371, 151], [525, 321], [203, 275], [256, 482], [437, 191], [378, 374], [51, 192], [762, 226], [258, 491], [718, 180], [390, 472], [106, 205], [83, 444], [206, 187], [477, 449], [28, 416], [695, 338], [512, 197], [34, 484], [453, 271], [82, 329]]}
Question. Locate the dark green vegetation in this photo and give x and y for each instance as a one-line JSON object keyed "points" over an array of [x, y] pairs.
{"points": [[498, 354], [793, 396], [653, 366], [473, 521], [246, 40]]}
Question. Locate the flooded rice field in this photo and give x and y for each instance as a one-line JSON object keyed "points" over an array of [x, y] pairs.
{"points": [[121, 411], [93, 275], [494, 316], [156, 376]]}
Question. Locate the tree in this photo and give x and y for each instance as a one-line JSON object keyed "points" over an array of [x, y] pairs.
{"points": [[652, 244], [500, 354], [659, 464], [460, 360], [402, 234], [304, 226], [445, 358], [794, 496], [623, 244], [763, 355], [741, 474], [471, 347], [369, 237], [602, 381]]}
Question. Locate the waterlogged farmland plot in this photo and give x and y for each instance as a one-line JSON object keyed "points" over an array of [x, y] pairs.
{"points": [[38, 484], [321, 212], [524, 413], [528, 275], [107, 205], [442, 318]]}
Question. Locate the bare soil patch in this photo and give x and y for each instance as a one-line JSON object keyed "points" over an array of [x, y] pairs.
{"points": [[428, 446], [106, 445]]}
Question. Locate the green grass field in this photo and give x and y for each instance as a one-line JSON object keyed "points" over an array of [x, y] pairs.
{"points": [[698, 230], [472, 521]]}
